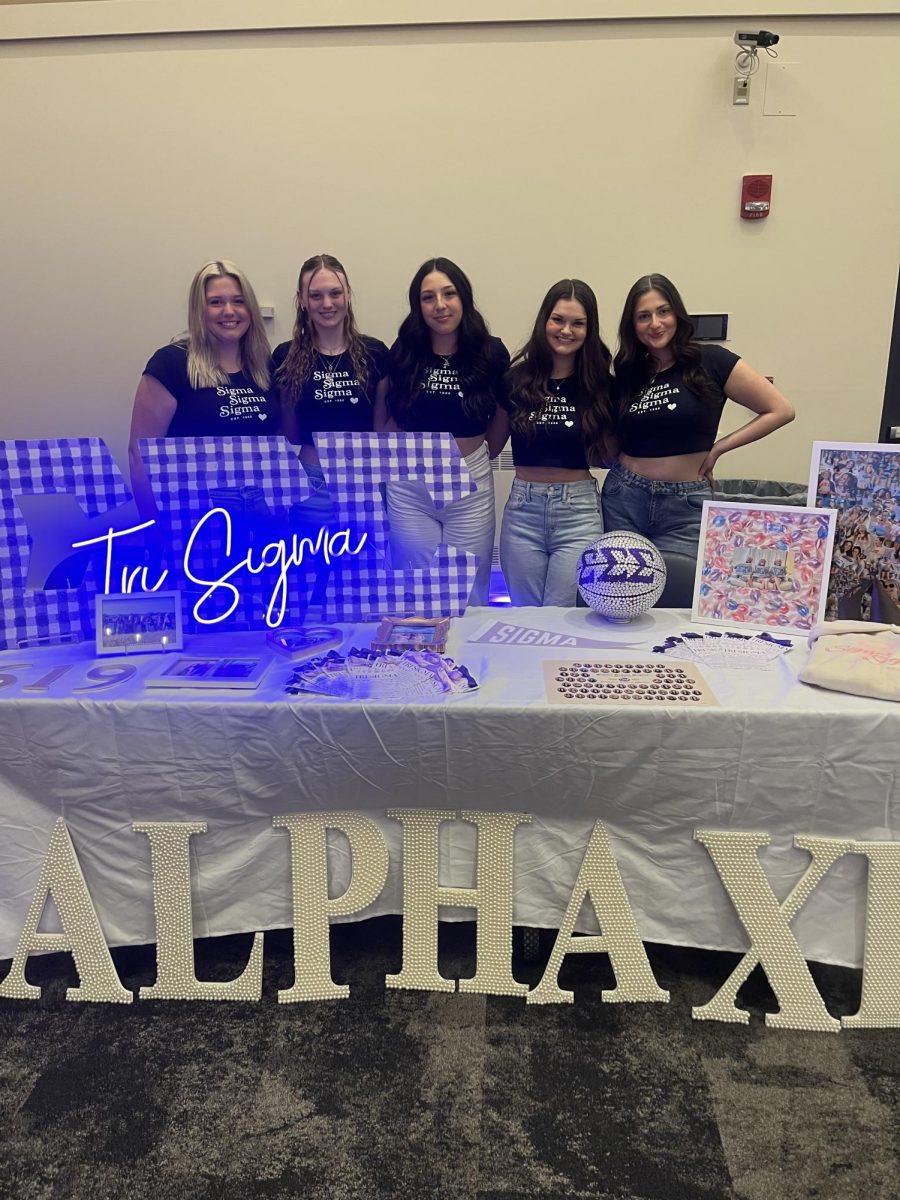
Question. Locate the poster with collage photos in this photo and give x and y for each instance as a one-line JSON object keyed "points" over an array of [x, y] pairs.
{"points": [[764, 566], [860, 483]]}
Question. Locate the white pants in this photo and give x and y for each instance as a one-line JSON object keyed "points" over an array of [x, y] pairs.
{"points": [[418, 528]]}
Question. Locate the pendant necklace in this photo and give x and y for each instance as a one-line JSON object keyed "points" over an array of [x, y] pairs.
{"points": [[445, 360], [659, 371], [558, 382], [445, 366], [332, 366], [328, 369], [647, 386]]}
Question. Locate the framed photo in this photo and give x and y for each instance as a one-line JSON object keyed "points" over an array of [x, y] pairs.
{"points": [[860, 483], [305, 642], [412, 633], [206, 671], [763, 566], [138, 622]]}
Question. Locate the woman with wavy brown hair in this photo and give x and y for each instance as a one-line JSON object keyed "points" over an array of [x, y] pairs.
{"points": [[560, 418], [331, 377]]}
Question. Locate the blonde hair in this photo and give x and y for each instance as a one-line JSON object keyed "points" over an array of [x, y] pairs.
{"points": [[203, 359]]}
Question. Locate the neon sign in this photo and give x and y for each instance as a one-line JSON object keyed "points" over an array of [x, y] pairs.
{"points": [[279, 554], [60, 497]]}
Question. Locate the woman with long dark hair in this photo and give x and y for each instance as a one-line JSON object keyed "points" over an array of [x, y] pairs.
{"points": [[560, 418], [671, 392], [446, 377]]}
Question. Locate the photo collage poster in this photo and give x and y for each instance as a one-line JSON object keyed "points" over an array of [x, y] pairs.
{"points": [[764, 566], [860, 483]]}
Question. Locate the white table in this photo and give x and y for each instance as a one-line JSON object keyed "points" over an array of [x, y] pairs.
{"points": [[777, 756]]}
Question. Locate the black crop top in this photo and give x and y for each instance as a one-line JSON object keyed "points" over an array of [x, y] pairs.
{"points": [[333, 399], [556, 437], [237, 408], [667, 418], [438, 406]]}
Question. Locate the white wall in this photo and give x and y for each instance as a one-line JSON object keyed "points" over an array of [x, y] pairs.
{"points": [[526, 152]]}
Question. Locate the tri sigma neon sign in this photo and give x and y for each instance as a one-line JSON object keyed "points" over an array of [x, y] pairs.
{"points": [[237, 522], [279, 555]]}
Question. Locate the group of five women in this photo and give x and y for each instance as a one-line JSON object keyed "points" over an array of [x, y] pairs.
{"points": [[651, 415]]}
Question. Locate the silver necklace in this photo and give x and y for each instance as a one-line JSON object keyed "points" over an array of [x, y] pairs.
{"points": [[329, 369], [445, 366], [329, 366], [647, 386]]}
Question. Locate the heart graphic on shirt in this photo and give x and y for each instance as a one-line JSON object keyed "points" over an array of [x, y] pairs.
{"points": [[262, 416], [354, 399], [671, 406], [568, 424]]}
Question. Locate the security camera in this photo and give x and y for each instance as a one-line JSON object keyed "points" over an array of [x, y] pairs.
{"points": [[749, 40]]}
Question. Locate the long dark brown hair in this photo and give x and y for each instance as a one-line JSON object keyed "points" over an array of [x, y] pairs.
{"points": [[530, 372], [412, 351], [633, 363], [299, 361]]}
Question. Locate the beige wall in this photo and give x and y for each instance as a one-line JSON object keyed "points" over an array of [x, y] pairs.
{"points": [[526, 152]]}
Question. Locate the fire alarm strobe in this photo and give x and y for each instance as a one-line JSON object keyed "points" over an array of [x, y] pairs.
{"points": [[756, 197]]}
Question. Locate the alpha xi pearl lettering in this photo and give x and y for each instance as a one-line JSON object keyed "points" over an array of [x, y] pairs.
{"points": [[766, 920]]}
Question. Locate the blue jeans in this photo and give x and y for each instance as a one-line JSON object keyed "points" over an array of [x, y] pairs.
{"points": [[545, 528], [667, 513]]}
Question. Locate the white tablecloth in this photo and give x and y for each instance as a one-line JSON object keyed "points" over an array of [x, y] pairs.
{"points": [[777, 756]]}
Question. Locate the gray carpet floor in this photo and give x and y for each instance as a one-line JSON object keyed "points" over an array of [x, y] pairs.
{"points": [[403, 1094]]}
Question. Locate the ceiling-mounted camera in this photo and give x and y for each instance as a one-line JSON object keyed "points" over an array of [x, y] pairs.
{"points": [[761, 39]]}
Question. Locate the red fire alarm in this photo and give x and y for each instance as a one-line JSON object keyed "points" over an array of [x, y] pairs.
{"points": [[756, 197]]}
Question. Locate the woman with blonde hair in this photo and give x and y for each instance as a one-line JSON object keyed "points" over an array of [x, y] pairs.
{"points": [[332, 378], [215, 380]]}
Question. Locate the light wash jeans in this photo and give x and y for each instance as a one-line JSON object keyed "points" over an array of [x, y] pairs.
{"points": [[418, 528], [667, 513], [545, 528]]}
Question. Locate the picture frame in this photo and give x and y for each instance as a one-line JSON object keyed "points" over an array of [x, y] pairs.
{"points": [[240, 671], [138, 622], [860, 483], [764, 566], [412, 633], [306, 641]]}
